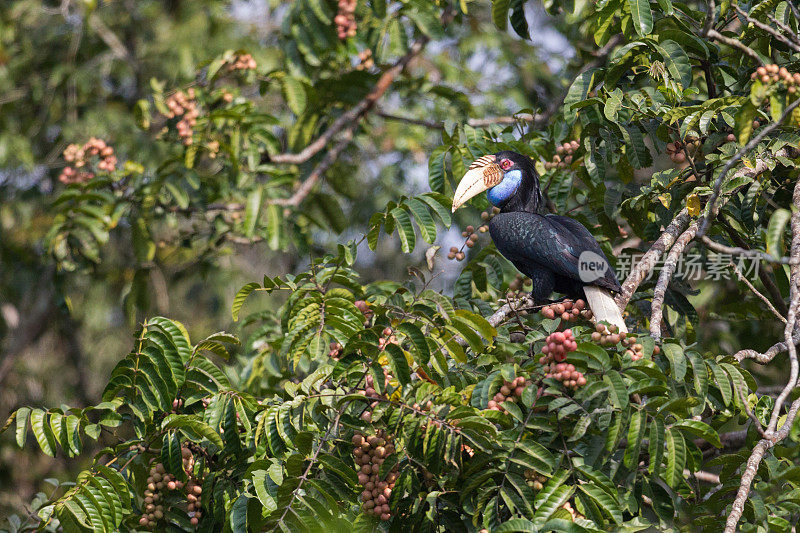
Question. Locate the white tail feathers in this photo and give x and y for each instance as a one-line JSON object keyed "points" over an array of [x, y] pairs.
{"points": [[603, 306]]}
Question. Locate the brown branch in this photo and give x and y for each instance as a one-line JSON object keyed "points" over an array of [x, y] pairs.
{"points": [[308, 184], [735, 43], [510, 308], [756, 292], [648, 261], [704, 476], [711, 210], [721, 248], [789, 32], [764, 274], [767, 28], [772, 435], [769, 354], [473, 122], [352, 116], [744, 489], [670, 264]]}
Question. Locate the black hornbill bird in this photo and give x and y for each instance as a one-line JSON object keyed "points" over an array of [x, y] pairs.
{"points": [[556, 252]]}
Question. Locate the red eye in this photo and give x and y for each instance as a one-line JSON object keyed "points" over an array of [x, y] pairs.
{"points": [[505, 164]]}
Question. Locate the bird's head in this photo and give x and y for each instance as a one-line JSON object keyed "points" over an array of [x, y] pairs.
{"points": [[510, 179]]}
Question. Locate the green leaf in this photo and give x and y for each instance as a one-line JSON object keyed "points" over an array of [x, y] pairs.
{"points": [[604, 501], [656, 445], [425, 223], [189, 422], [744, 121], [500, 13], [676, 457], [418, 341], [677, 62], [677, 361], [405, 230], [700, 429], [43, 432], [642, 16], [21, 432], [635, 432], [613, 103], [397, 360], [295, 93], [520, 525], [618, 391], [241, 296], [775, 230], [251, 212]]}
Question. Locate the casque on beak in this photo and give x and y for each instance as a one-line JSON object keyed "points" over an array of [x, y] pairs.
{"points": [[483, 174]]}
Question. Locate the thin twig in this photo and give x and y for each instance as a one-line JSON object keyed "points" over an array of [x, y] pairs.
{"points": [[789, 33], [711, 206], [316, 174], [721, 248], [735, 43], [473, 122], [353, 115], [767, 28], [756, 292], [772, 435]]}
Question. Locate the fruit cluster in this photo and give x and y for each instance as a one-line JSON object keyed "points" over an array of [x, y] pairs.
{"points": [[159, 481], [370, 452], [517, 285], [511, 391], [365, 61], [242, 62], [183, 105], [769, 74], [82, 156], [566, 374], [566, 150], [675, 150], [534, 480], [572, 512], [635, 351], [363, 306], [386, 338], [557, 345], [371, 392], [567, 310], [345, 19], [607, 335], [486, 216], [335, 350]]}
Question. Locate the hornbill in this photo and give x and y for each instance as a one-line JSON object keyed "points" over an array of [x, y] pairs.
{"points": [[556, 252]]}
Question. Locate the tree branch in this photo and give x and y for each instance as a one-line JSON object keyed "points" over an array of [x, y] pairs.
{"points": [[756, 292], [735, 43], [711, 206], [651, 257], [473, 122], [767, 28], [664, 278], [772, 435], [349, 118]]}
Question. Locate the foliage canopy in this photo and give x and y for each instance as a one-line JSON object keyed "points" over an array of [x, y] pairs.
{"points": [[346, 386]]}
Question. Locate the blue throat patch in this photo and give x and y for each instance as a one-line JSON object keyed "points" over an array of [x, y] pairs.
{"points": [[500, 193]]}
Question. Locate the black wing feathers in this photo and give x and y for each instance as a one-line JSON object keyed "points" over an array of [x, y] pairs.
{"points": [[553, 242]]}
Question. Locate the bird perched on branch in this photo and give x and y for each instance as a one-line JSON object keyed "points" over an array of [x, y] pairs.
{"points": [[556, 252]]}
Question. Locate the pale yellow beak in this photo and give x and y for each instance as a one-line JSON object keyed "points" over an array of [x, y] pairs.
{"points": [[483, 174]]}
